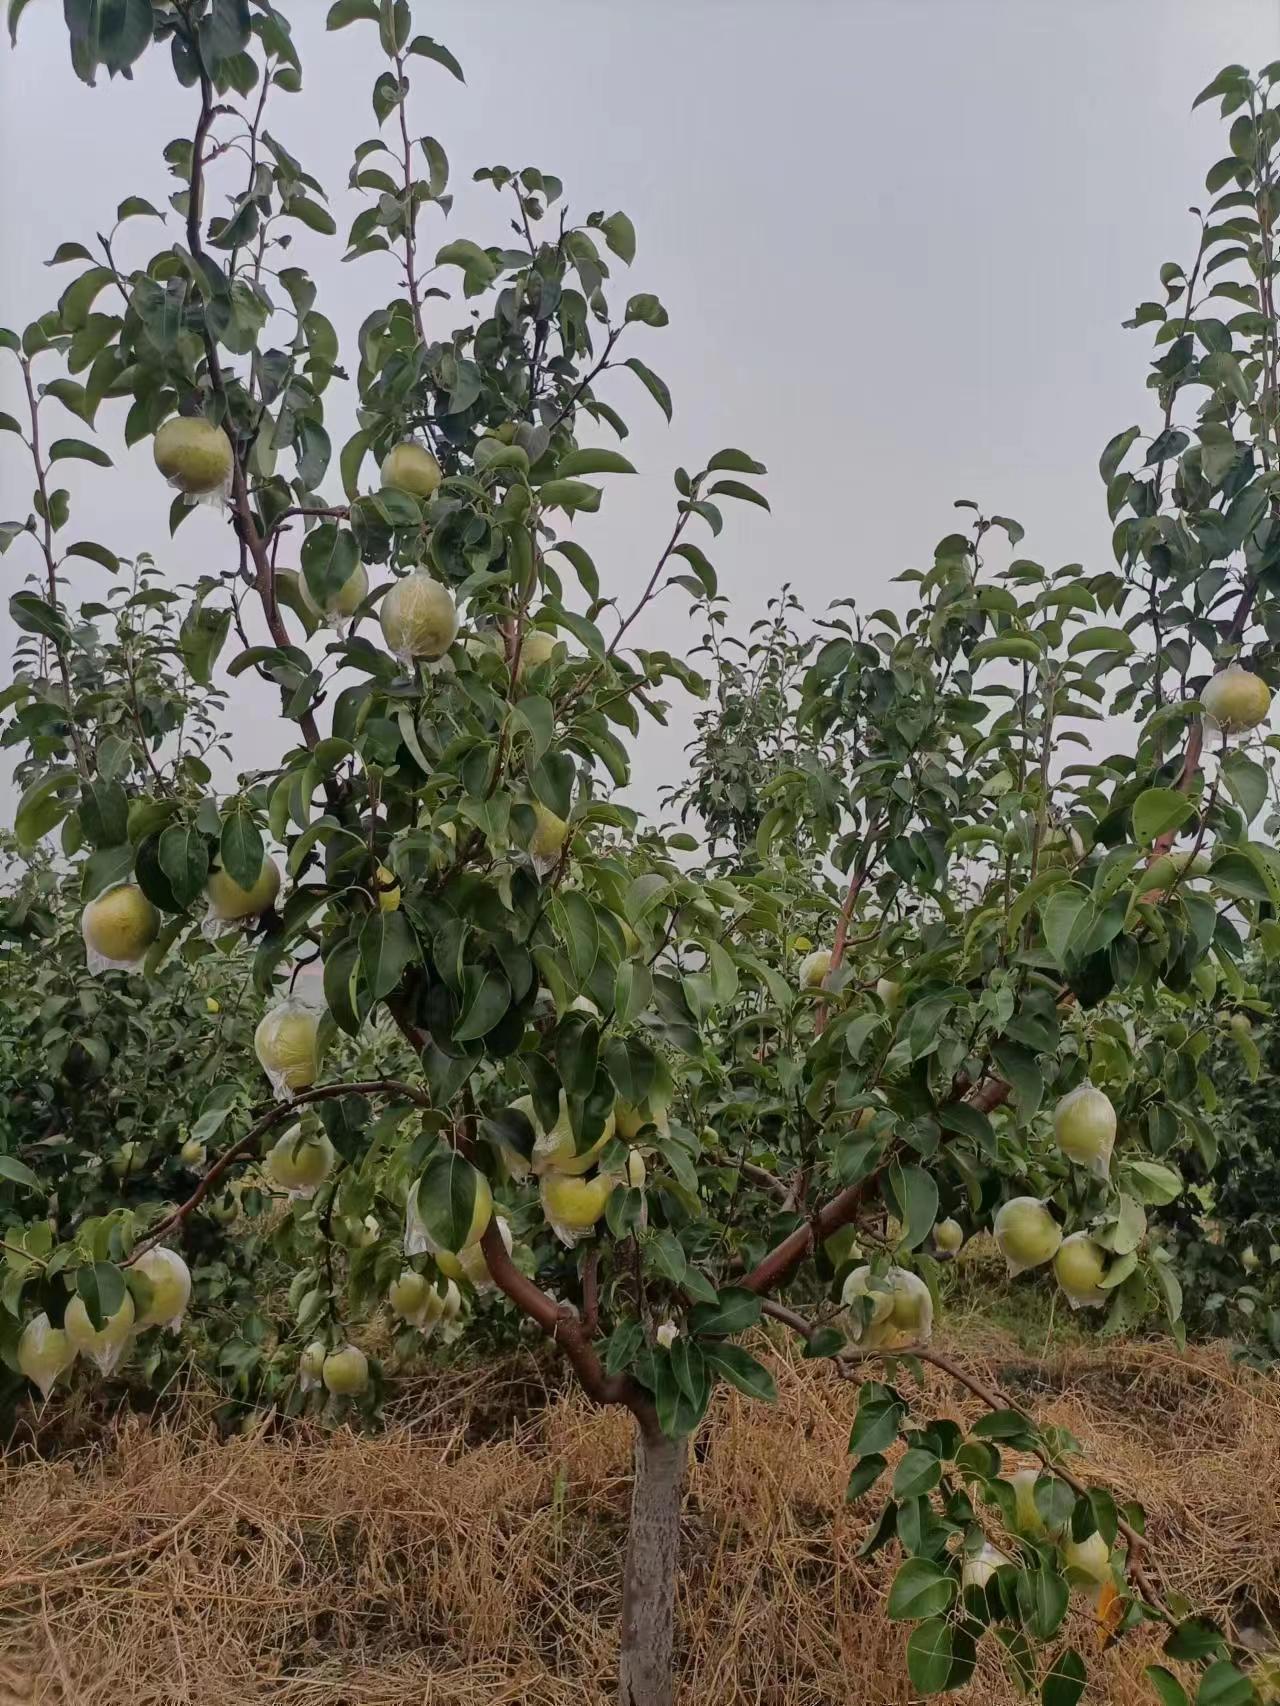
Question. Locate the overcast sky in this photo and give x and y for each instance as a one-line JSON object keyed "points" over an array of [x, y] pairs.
{"points": [[896, 239]]}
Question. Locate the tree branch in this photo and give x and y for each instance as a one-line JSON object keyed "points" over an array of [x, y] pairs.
{"points": [[274, 1116], [777, 1265], [564, 1329], [1137, 1547], [246, 525], [51, 567]]}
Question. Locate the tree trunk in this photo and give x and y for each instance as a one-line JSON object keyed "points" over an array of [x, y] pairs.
{"points": [[645, 1674]]}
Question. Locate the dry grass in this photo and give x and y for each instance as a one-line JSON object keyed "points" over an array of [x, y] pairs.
{"points": [[470, 1554]]}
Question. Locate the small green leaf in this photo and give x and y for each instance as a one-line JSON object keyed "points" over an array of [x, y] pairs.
{"points": [[1167, 1686], [656, 387], [918, 1473], [240, 849], [429, 49], [101, 1288], [447, 1196], [387, 946], [1065, 1681], [76, 450], [592, 461], [18, 1173], [740, 1369], [734, 1311], [930, 1648], [864, 1475], [921, 1588], [736, 489], [1223, 1685], [1157, 811]]}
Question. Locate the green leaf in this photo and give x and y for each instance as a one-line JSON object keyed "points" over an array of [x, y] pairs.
{"points": [[1099, 640], [329, 557], [1023, 647], [930, 1649], [76, 450], [104, 813], [1166, 1685], [95, 553], [18, 1173], [734, 1311], [240, 849], [184, 858], [16, 9], [734, 462], [486, 996], [736, 489], [592, 461], [312, 215], [447, 1195], [344, 12], [1058, 918], [620, 234], [665, 1254], [1152, 1183], [1116, 451], [1043, 1596], [1223, 1685], [340, 975], [387, 946], [1159, 810], [201, 638], [646, 308], [429, 49], [101, 1288], [41, 809], [570, 495], [1246, 782], [921, 1588], [740, 1369], [134, 207], [1194, 1640], [1065, 1682], [1002, 1424], [918, 1473], [656, 387], [878, 1421], [864, 1475], [915, 1200]]}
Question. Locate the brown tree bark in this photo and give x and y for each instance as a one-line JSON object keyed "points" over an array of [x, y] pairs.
{"points": [[646, 1674]]}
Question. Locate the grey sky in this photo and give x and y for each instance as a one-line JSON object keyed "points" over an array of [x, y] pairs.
{"points": [[896, 239]]}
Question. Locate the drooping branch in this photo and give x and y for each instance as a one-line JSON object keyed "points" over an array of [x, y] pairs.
{"points": [[1137, 1547], [245, 1145]]}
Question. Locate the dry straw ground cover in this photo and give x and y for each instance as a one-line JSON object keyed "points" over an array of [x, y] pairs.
{"points": [[470, 1553]]}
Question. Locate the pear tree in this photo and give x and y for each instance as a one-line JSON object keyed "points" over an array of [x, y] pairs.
{"points": [[621, 1102]]}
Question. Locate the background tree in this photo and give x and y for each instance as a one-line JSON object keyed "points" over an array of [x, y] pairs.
{"points": [[671, 1116]]}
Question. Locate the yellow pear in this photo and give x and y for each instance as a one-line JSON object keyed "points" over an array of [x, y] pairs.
{"points": [[227, 900], [194, 455], [120, 925], [410, 467]]}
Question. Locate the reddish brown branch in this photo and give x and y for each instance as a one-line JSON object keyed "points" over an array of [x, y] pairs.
{"points": [[777, 1265], [564, 1328]]}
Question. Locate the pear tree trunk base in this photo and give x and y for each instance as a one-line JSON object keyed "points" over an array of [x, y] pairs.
{"points": [[645, 1673]]}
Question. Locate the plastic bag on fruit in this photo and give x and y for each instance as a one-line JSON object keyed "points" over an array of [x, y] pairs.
{"points": [[118, 927], [285, 1044]]}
